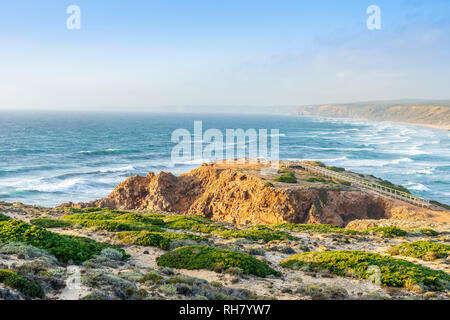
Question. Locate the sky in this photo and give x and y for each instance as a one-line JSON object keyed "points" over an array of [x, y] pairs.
{"points": [[147, 55]]}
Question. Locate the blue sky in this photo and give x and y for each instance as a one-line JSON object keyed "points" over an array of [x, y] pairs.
{"points": [[152, 54]]}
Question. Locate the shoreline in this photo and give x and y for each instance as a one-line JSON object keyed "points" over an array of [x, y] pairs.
{"points": [[423, 125]]}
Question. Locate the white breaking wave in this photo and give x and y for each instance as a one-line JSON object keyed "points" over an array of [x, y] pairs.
{"points": [[366, 162], [62, 186], [416, 186], [98, 151], [117, 169]]}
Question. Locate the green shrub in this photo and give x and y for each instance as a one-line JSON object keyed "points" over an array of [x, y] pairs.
{"points": [[94, 209], [255, 233], [64, 248], [336, 169], [387, 232], [393, 186], [425, 250], [203, 257], [394, 272], [323, 196], [153, 277], [317, 179], [443, 205], [27, 287], [117, 225], [136, 217], [50, 223], [154, 215], [4, 218], [115, 221], [315, 163], [425, 231], [345, 183], [286, 177], [321, 228], [269, 185], [161, 240], [91, 216], [193, 223]]}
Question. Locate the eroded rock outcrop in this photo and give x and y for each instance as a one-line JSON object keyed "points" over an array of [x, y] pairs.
{"points": [[238, 197]]}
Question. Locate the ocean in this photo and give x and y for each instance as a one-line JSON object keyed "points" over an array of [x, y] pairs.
{"points": [[48, 158]]}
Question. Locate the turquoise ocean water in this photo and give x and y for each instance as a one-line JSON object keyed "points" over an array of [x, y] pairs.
{"points": [[48, 158]]}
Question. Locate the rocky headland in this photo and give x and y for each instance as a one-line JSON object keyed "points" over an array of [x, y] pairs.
{"points": [[227, 231], [249, 194]]}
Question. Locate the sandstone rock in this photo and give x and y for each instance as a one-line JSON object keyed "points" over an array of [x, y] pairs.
{"points": [[231, 195]]}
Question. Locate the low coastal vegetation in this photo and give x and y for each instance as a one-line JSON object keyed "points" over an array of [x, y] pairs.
{"points": [[133, 226], [3, 217], [50, 223], [104, 220], [163, 240], [336, 169], [387, 232], [425, 250], [204, 225], [424, 231], [64, 248], [320, 228], [199, 243], [315, 163], [443, 205], [389, 184], [393, 186], [393, 272], [256, 233], [286, 177], [317, 179], [192, 223], [25, 286], [204, 257]]}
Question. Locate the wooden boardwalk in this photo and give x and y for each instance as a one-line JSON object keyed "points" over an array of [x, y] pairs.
{"points": [[375, 187]]}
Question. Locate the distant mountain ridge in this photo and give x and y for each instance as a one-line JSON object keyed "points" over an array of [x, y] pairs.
{"points": [[435, 113]]}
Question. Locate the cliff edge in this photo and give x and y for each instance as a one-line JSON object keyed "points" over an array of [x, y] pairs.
{"points": [[246, 195]]}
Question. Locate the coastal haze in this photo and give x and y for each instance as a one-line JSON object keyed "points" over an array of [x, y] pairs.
{"points": [[148, 55]]}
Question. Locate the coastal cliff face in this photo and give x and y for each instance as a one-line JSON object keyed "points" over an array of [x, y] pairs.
{"points": [[238, 197], [429, 115]]}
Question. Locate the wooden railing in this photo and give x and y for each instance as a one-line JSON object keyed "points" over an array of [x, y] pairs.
{"points": [[378, 188]]}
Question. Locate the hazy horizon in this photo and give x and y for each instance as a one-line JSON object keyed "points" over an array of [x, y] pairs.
{"points": [[151, 55], [213, 109]]}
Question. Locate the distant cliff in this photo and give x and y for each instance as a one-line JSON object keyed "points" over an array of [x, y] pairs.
{"points": [[437, 116]]}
